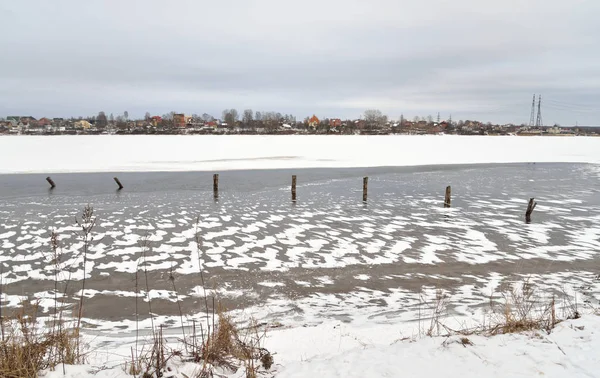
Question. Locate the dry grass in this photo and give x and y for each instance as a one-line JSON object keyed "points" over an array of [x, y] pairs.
{"points": [[438, 310], [523, 309], [226, 347], [153, 362], [25, 350], [230, 347]]}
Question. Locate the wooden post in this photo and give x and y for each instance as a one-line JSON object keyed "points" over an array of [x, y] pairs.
{"points": [[530, 207], [119, 183], [52, 185], [365, 188], [448, 198], [216, 185], [293, 187]]}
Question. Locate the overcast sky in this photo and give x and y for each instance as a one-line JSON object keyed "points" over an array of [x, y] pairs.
{"points": [[473, 59]]}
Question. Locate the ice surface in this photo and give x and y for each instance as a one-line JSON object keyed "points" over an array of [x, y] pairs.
{"points": [[213, 152]]}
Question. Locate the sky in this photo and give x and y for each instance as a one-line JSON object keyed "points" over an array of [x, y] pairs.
{"points": [[469, 59]]}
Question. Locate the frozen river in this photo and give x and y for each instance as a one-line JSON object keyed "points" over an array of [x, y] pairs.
{"points": [[327, 255]]}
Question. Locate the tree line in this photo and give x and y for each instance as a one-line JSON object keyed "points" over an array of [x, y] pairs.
{"points": [[250, 118]]}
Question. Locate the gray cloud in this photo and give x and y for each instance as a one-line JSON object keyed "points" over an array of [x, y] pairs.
{"points": [[468, 58]]}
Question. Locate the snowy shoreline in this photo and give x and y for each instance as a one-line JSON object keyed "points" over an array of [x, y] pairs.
{"points": [[61, 154]]}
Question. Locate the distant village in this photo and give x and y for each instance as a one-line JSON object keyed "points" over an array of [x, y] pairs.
{"points": [[373, 122]]}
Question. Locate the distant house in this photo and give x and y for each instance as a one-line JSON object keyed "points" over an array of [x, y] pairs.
{"points": [[313, 121], [435, 130], [335, 122], [179, 119], [28, 119], [83, 124], [156, 120], [44, 122], [359, 124]]}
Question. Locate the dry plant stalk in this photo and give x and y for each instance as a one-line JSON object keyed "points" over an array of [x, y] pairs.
{"points": [[87, 224]]}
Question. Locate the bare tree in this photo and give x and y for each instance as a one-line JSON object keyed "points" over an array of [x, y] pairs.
{"points": [[230, 116], [121, 122], [147, 116], [101, 120], [126, 115], [169, 116], [289, 119], [374, 117], [258, 116], [429, 119], [271, 120], [248, 117], [207, 117], [111, 118]]}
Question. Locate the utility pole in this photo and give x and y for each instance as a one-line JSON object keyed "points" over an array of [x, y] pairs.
{"points": [[532, 111], [538, 121]]}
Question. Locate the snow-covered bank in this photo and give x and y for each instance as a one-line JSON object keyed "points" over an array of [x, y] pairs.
{"points": [[571, 350], [38, 154], [345, 350]]}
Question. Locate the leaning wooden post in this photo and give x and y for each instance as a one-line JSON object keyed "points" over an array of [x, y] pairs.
{"points": [[52, 185], [530, 207], [118, 183], [365, 188], [448, 198], [293, 187], [216, 185]]}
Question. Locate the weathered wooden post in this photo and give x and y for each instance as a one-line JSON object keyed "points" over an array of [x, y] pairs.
{"points": [[530, 207], [118, 183], [448, 197], [52, 185], [365, 188], [293, 187], [216, 185]]}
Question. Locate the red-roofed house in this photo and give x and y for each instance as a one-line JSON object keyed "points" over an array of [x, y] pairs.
{"points": [[313, 121], [156, 120], [44, 122]]}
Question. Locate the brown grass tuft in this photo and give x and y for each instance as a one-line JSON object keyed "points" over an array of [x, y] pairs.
{"points": [[25, 350], [522, 310]]}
